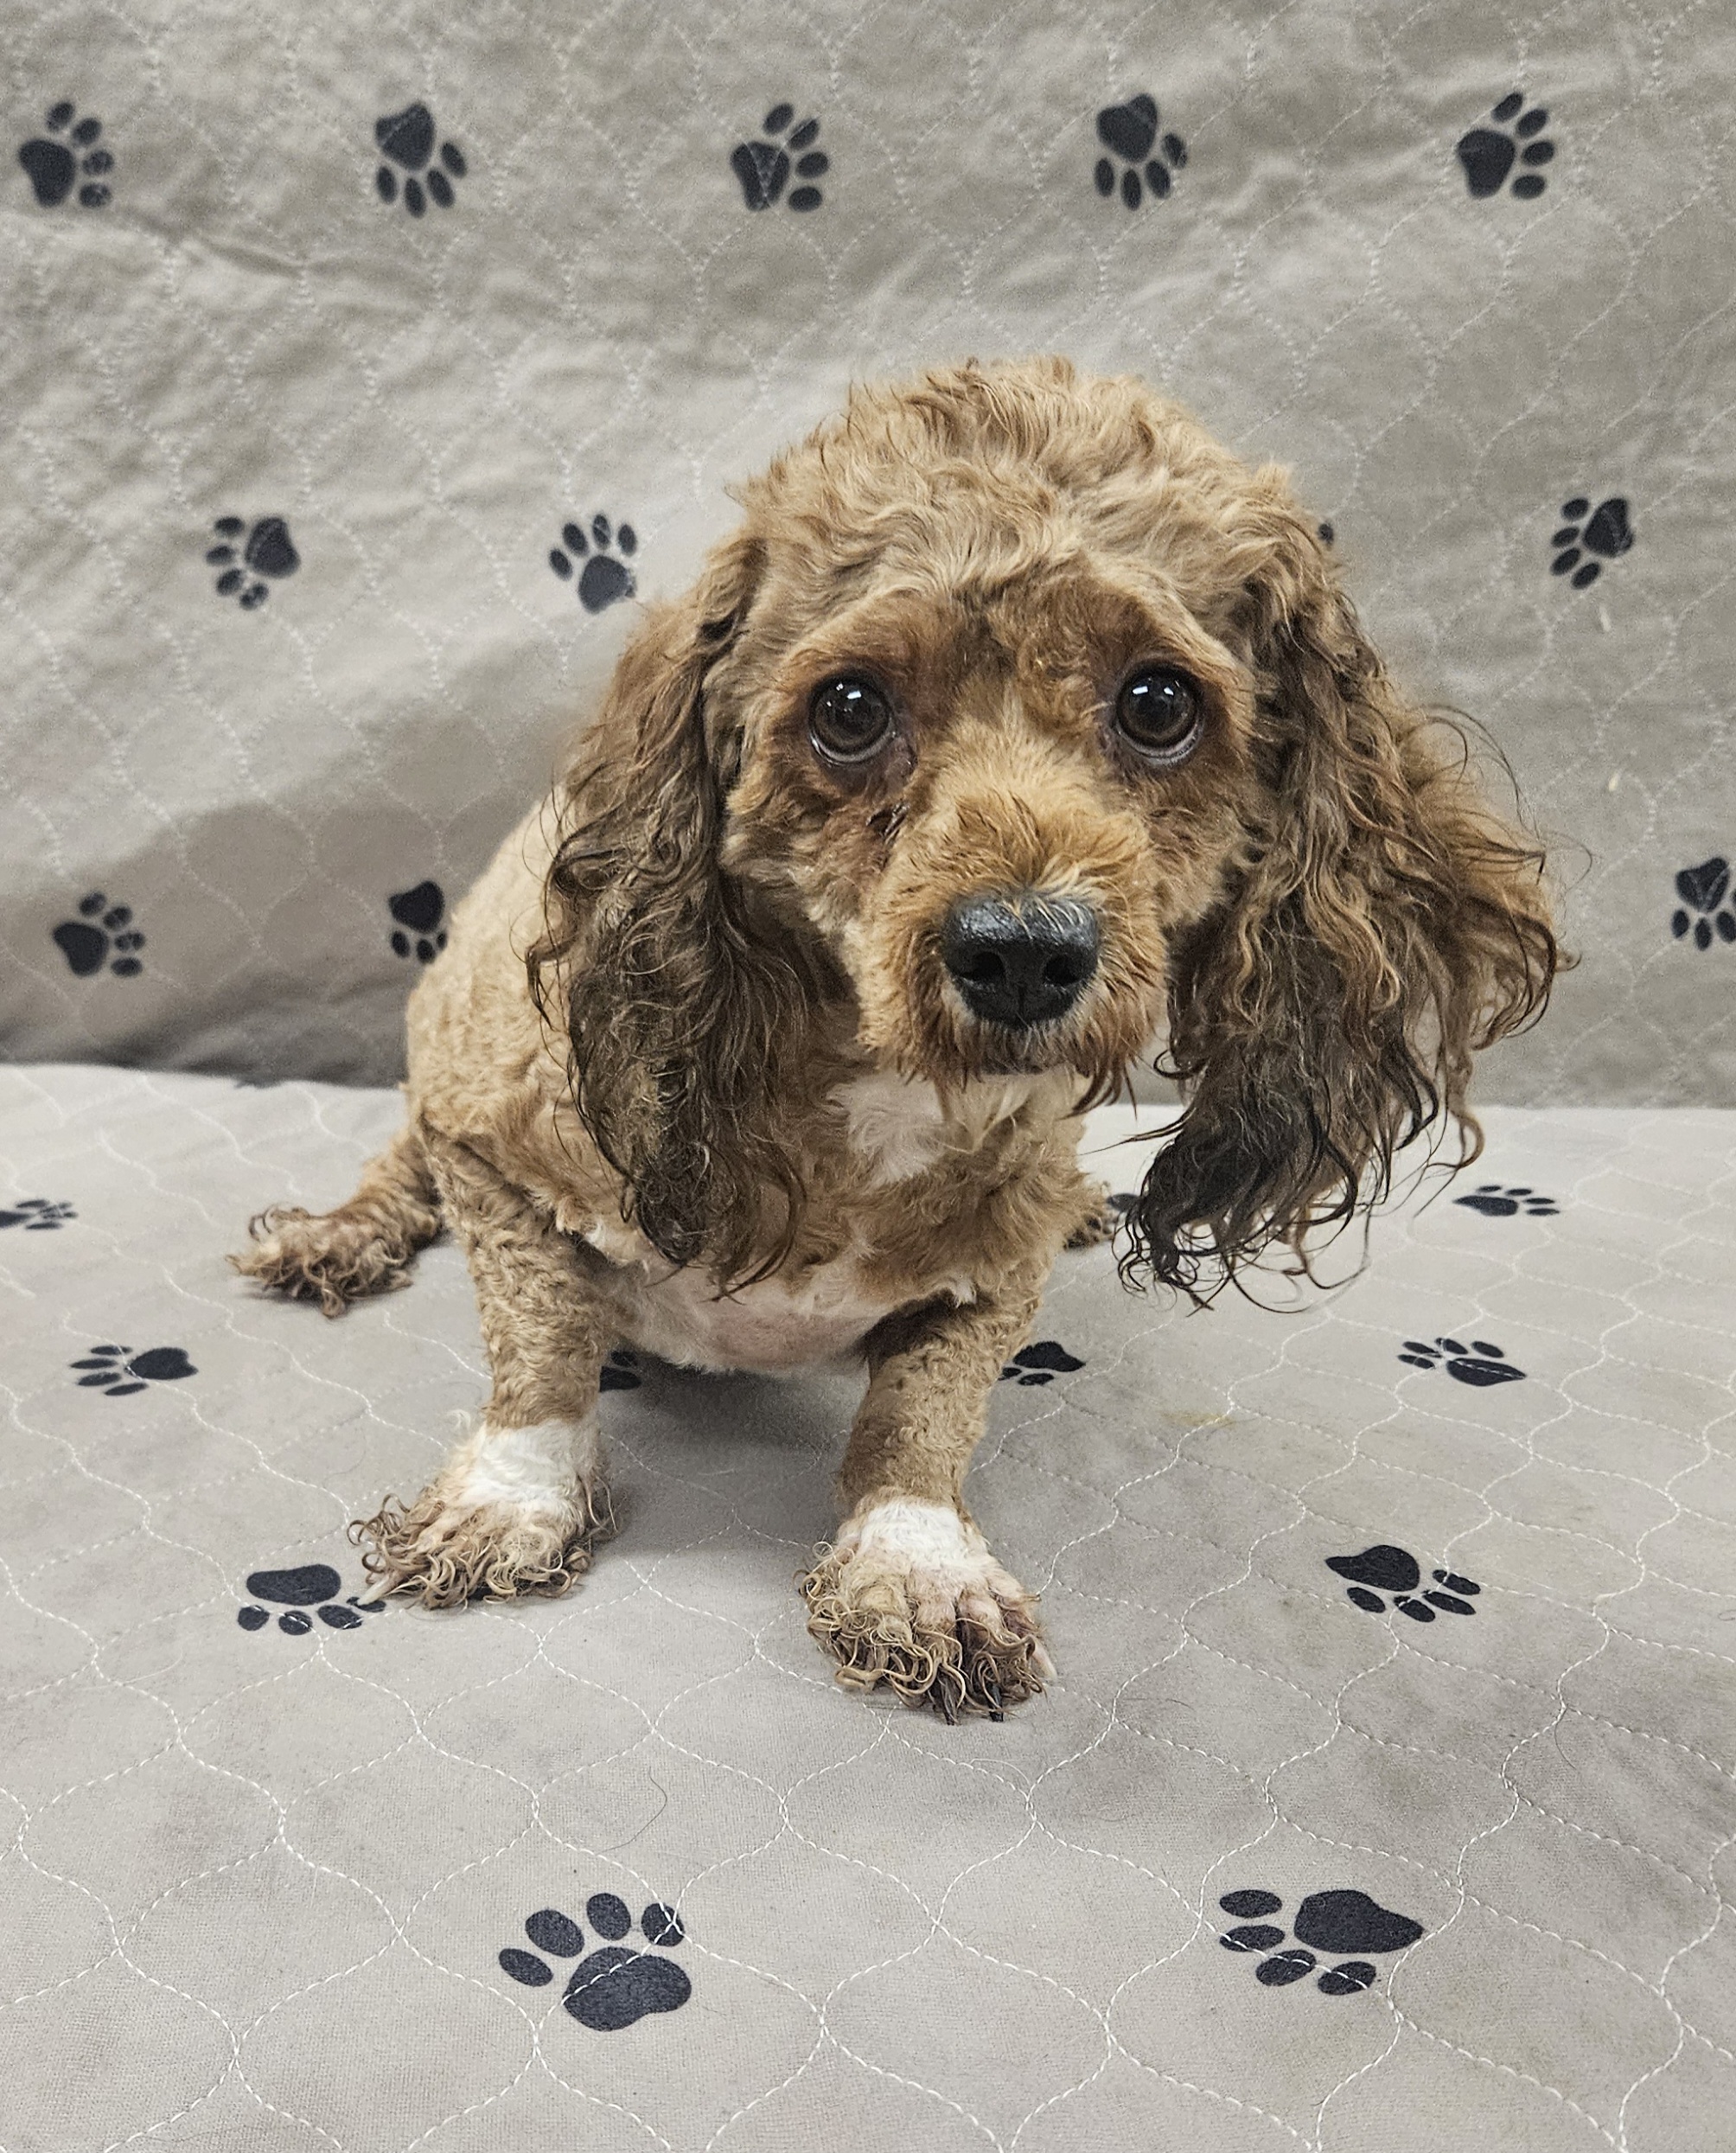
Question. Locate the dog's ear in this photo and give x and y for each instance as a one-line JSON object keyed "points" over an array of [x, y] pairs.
{"points": [[1386, 923], [680, 1017]]}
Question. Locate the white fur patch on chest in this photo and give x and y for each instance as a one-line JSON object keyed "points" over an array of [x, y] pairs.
{"points": [[898, 1125], [772, 1327], [896, 1122]]}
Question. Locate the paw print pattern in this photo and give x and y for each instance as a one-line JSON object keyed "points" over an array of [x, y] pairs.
{"points": [[1333, 1921], [1041, 1362], [1604, 530], [308, 1585], [1480, 1363], [111, 1366], [1496, 1202], [268, 551], [407, 137], [621, 1371], [1130, 131], [617, 1985], [1705, 888], [1488, 156], [763, 168], [54, 166], [103, 933], [36, 1215], [604, 578], [419, 913], [1384, 1568]]}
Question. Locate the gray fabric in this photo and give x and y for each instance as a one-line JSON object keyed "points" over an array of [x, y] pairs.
{"points": [[600, 324], [255, 1885]]}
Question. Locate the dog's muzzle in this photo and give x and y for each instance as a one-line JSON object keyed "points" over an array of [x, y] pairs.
{"points": [[1023, 959]]}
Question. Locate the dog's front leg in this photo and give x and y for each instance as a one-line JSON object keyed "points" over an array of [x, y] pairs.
{"points": [[517, 1504], [908, 1594]]}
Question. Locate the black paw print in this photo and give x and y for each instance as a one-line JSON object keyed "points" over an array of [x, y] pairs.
{"points": [[614, 1987], [36, 1215], [1496, 1202], [1390, 1569], [1488, 156], [1130, 131], [1705, 888], [1605, 530], [103, 929], [763, 168], [1480, 1363], [1331, 1921], [268, 551], [52, 166], [620, 1371], [306, 1586], [407, 137], [419, 911], [603, 579], [111, 1364], [1041, 1362]]}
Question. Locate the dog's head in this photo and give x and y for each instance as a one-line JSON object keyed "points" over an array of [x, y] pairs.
{"points": [[1018, 720]]}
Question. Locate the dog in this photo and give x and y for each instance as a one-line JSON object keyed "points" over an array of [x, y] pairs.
{"points": [[1018, 721]]}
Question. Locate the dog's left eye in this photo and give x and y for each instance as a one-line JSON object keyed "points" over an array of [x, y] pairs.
{"points": [[849, 719], [1160, 712]]}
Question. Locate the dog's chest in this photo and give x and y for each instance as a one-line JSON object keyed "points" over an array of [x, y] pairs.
{"points": [[772, 1327], [894, 1131]]}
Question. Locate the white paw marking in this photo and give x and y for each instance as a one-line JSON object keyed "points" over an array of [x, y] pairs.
{"points": [[533, 1469], [903, 1535]]}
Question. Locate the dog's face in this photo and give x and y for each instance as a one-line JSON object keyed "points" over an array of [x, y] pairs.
{"points": [[999, 772], [1022, 717]]}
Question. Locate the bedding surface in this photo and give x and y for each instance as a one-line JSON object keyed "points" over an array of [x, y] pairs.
{"points": [[1383, 1796], [364, 369]]}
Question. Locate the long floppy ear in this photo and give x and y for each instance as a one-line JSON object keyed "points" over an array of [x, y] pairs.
{"points": [[680, 1017], [1387, 924]]}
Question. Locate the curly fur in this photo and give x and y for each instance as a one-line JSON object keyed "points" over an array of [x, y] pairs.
{"points": [[447, 1557], [365, 1247], [693, 1073]]}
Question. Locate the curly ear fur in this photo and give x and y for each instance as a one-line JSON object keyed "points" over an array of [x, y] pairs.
{"points": [[1386, 925], [682, 1022]]}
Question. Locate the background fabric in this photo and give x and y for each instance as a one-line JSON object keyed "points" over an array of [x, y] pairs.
{"points": [[361, 370], [361, 366], [1393, 1639]]}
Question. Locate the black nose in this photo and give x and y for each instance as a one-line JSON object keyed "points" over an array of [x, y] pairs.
{"points": [[1023, 959]]}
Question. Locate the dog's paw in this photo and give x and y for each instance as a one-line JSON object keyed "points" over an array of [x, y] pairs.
{"points": [[331, 1258], [513, 1511], [909, 1596], [1098, 1221]]}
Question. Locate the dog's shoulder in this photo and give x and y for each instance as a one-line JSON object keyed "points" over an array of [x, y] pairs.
{"points": [[483, 1066]]}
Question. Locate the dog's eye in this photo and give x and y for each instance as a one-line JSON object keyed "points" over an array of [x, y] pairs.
{"points": [[849, 719], [1158, 712]]}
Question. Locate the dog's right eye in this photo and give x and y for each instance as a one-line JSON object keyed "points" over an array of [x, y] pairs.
{"points": [[849, 719]]}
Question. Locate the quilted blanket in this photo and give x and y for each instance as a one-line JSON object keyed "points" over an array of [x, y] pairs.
{"points": [[362, 370], [1383, 1798]]}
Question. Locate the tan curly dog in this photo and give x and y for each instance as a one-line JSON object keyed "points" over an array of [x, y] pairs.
{"points": [[1019, 723]]}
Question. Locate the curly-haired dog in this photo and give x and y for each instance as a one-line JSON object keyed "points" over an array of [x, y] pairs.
{"points": [[1017, 718]]}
